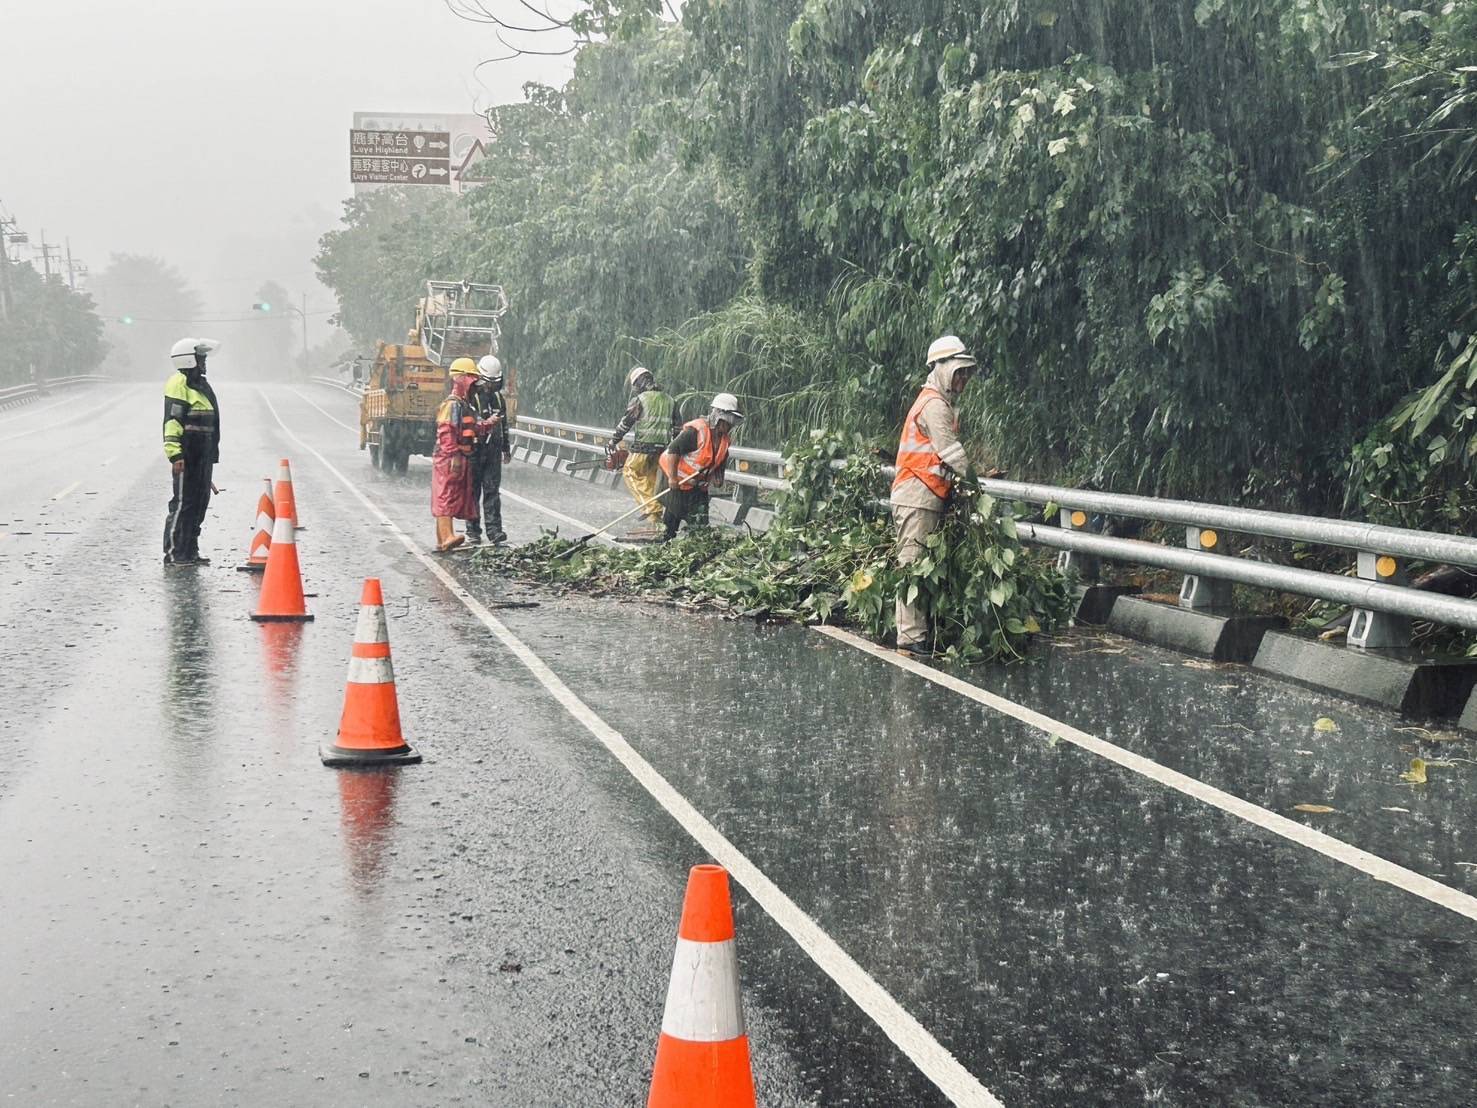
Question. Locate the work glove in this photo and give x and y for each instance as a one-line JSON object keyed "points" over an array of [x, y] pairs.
{"points": [[177, 466], [485, 426]]}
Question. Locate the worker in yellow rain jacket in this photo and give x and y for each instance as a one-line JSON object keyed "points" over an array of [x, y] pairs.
{"points": [[192, 445], [929, 458], [694, 461], [651, 420]]}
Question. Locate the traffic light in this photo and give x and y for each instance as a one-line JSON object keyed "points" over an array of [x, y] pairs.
{"points": [[125, 319], [261, 306]]}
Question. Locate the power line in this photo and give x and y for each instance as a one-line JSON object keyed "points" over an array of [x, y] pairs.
{"points": [[257, 317]]}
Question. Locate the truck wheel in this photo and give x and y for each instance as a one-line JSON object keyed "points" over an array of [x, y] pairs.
{"points": [[402, 462]]}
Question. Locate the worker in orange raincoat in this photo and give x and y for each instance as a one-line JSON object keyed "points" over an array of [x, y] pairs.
{"points": [[451, 465]]}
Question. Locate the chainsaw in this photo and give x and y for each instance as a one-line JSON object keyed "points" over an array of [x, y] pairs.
{"points": [[614, 460]]}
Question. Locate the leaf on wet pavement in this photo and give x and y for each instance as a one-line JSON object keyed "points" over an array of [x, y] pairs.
{"points": [[1315, 808], [1416, 774], [1323, 723], [1394, 809]]}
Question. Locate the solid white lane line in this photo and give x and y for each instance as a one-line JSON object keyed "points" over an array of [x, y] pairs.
{"points": [[26, 410], [1371, 864], [513, 496], [73, 487], [910, 1036], [92, 414]]}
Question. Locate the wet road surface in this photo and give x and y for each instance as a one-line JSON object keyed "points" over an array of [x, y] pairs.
{"points": [[197, 912]]}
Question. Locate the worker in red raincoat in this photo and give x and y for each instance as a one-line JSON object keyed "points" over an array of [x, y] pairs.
{"points": [[451, 466]]}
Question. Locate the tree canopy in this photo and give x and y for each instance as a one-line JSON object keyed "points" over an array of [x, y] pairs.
{"points": [[1214, 250]]}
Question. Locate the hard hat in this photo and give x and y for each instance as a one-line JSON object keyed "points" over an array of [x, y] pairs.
{"points": [[949, 347], [186, 353], [726, 405], [463, 367], [636, 374], [489, 368]]}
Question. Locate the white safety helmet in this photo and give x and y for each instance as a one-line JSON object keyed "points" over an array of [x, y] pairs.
{"points": [[490, 369], [949, 348], [186, 353], [726, 406], [634, 377]]}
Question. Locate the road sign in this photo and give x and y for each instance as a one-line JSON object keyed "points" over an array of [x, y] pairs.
{"points": [[461, 132], [399, 157]]}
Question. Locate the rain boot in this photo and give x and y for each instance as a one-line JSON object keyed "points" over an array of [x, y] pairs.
{"points": [[446, 536]]}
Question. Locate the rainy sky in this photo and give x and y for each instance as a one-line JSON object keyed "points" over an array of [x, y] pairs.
{"points": [[215, 134]]}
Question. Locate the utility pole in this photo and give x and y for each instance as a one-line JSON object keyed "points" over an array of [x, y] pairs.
{"points": [[75, 269], [7, 229], [46, 250], [305, 332]]}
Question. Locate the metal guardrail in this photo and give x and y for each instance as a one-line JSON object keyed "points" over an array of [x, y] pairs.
{"points": [[21, 394], [336, 383], [1378, 593]]}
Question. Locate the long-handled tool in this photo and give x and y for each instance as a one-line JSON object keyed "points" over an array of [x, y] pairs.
{"points": [[614, 460], [619, 519]]}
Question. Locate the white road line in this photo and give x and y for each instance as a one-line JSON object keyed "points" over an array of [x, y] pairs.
{"points": [[910, 1036], [1379, 868], [29, 411], [513, 496], [73, 487]]}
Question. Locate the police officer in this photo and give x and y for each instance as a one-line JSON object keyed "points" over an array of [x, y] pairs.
{"points": [[192, 445]]}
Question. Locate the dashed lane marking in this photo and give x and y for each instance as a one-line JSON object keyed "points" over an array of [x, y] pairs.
{"points": [[73, 487], [513, 496], [899, 1025], [1371, 864]]}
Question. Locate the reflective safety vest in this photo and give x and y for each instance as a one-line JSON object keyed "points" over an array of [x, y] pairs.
{"points": [[186, 411], [712, 451], [462, 417], [916, 456], [654, 428]]}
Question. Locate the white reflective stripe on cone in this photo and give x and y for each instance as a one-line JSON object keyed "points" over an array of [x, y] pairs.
{"points": [[263, 521], [282, 530], [371, 626], [261, 551], [371, 671], [284, 474], [703, 1003]]}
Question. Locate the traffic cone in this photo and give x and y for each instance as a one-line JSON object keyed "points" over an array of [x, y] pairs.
{"points": [[286, 501], [369, 730], [702, 1057], [261, 542], [282, 585]]}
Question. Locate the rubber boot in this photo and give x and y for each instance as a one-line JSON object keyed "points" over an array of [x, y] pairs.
{"points": [[446, 536]]}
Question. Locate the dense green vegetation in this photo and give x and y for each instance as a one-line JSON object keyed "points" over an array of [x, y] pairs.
{"points": [[50, 330], [827, 558], [1210, 249]]}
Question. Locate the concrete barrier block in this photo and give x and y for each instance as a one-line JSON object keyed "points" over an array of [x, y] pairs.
{"points": [[1400, 679], [1221, 637], [1095, 602]]}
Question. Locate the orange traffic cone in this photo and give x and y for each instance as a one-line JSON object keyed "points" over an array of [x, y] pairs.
{"points": [[282, 585], [702, 1057], [369, 730], [261, 542], [286, 501]]}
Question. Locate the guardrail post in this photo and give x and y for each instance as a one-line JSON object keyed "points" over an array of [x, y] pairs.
{"points": [[1199, 593], [1087, 568], [1370, 630], [748, 497]]}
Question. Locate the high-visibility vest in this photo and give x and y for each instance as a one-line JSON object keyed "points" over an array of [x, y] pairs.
{"points": [[916, 456], [712, 451], [654, 428], [463, 420], [185, 410]]}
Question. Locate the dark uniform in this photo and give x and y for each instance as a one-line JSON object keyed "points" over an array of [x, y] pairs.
{"points": [[192, 435], [491, 452]]}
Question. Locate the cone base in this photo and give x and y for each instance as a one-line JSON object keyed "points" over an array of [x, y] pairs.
{"points": [[337, 756], [260, 618], [249, 567]]}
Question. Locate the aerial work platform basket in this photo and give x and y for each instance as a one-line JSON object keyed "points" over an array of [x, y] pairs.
{"points": [[459, 319]]}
